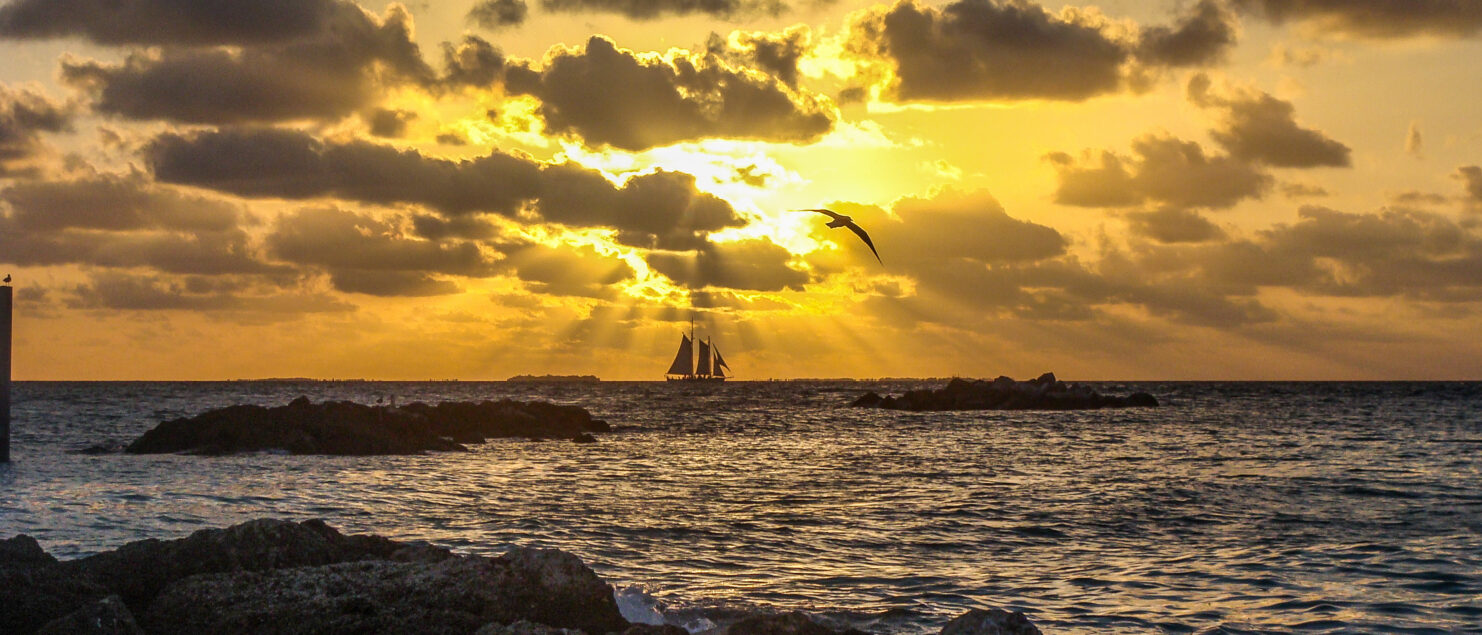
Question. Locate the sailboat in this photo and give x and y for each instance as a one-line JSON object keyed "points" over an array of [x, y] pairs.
{"points": [[687, 366]]}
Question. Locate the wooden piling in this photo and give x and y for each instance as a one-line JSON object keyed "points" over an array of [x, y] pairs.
{"points": [[5, 315]]}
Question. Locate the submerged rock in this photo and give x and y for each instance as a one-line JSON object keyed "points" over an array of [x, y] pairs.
{"points": [[1003, 393], [794, 623], [990, 622], [342, 427]]}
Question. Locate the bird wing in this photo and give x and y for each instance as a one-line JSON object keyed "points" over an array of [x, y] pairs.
{"points": [[866, 238], [826, 212]]}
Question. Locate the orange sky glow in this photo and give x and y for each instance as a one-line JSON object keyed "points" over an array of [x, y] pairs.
{"points": [[1212, 189]]}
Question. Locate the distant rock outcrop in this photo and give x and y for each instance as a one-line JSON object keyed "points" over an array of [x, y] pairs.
{"points": [[1041, 393], [342, 427], [555, 379], [278, 576]]}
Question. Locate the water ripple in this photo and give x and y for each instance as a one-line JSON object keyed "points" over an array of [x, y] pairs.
{"points": [[1238, 508]]}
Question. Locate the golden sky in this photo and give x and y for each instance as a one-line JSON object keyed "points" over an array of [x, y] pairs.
{"points": [[1165, 189]]}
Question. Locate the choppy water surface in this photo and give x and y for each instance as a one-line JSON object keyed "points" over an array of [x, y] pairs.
{"points": [[1328, 507]]}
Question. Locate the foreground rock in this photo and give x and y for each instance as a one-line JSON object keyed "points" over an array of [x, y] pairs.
{"points": [[342, 427], [1042, 393], [277, 576]]}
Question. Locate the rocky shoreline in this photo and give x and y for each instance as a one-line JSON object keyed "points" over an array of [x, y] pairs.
{"points": [[278, 576], [347, 428], [1041, 393]]}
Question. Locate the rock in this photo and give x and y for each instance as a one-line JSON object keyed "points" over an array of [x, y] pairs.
{"points": [[654, 629], [990, 622], [138, 570], [32, 596], [1042, 393], [23, 552], [342, 427], [562, 591], [1142, 400], [367, 597], [108, 616], [584, 437], [458, 595], [525, 627], [794, 623]]}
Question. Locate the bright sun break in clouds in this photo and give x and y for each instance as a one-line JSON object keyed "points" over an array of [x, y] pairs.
{"points": [[1214, 189]]}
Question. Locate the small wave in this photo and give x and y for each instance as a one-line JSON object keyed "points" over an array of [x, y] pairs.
{"points": [[638, 605]]}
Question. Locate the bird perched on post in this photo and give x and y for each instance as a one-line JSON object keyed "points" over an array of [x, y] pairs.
{"points": [[840, 220], [7, 277]]}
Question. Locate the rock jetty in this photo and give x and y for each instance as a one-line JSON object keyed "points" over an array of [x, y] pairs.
{"points": [[342, 427], [1041, 393], [278, 576]]}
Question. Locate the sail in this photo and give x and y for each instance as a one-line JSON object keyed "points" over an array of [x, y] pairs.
{"points": [[720, 362], [704, 369], [684, 363]]}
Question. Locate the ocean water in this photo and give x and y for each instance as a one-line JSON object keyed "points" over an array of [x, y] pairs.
{"points": [[1235, 508]]}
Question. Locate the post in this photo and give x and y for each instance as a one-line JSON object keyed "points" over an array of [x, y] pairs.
{"points": [[5, 306]]}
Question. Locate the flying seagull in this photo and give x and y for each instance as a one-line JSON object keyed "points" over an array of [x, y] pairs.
{"points": [[840, 220]]}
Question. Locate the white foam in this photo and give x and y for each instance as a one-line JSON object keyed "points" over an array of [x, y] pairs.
{"points": [[638, 606]]}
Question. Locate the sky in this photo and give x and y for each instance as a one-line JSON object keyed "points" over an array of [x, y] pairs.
{"points": [[1161, 189]]}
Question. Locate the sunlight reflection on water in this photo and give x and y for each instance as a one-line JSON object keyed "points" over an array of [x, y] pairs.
{"points": [[1245, 505]]}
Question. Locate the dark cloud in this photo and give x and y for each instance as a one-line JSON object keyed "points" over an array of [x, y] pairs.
{"points": [[475, 227], [344, 241], [326, 74], [969, 261], [1382, 19], [1471, 177], [207, 253], [567, 270], [472, 62], [754, 264], [1262, 128], [110, 221], [1173, 225], [1163, 170], [391, 283], [655, 9], [385, 122], [24, 115], [1199, 39], [776, 53], [265, 162], [497, 14], [116, 290], [1414, 142], [1009, 50], [169, 22], [1302, 190], [660, 209], [115, 203], [968, 226], [609, 96], [1396, 252], [986, 49]]}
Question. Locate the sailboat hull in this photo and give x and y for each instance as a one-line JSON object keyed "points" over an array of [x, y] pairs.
{"points": [[697, 378]]}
